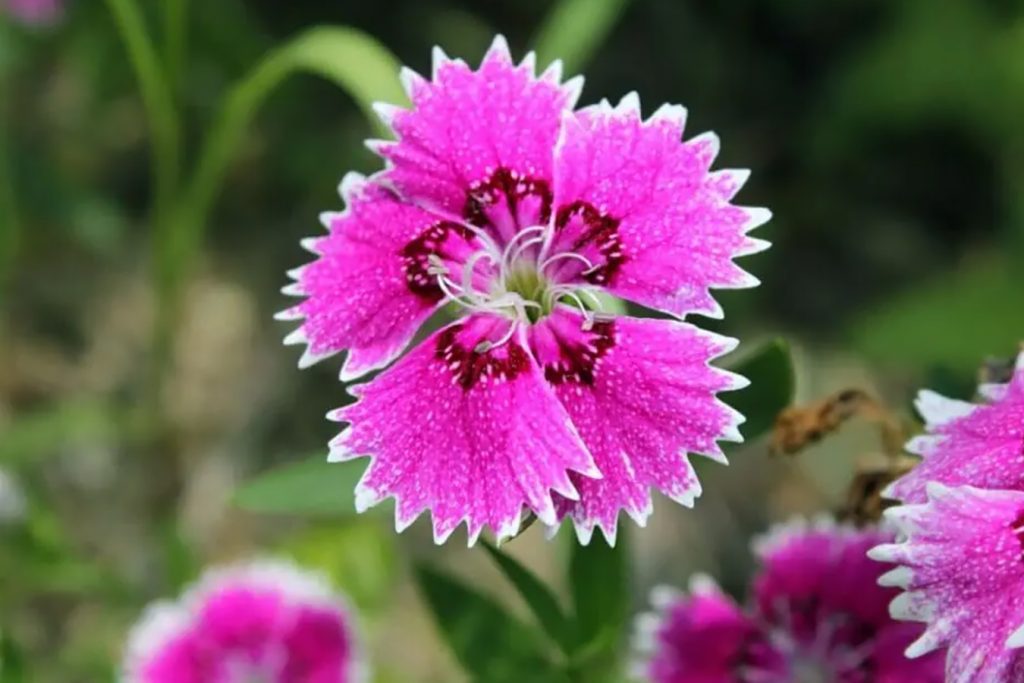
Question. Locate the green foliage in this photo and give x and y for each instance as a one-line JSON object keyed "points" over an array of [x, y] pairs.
{"points": [[12, 661], [599, 582], [772, 385], [983, 301], [310, 487], [360, 557], [540, 599], [44, 432], [350, 59], [491, 644], [575, 30]]}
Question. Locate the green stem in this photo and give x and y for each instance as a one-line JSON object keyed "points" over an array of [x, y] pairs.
{"points": [[175, 40], [165, 132], [10, 225], [157, 100]]}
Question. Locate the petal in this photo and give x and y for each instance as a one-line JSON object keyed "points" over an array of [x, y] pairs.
{"points": [[369, 290], [980, 445], [643, 208], [642, 395], [703, 637], [468, 435], [963, 553], [478, 144]]}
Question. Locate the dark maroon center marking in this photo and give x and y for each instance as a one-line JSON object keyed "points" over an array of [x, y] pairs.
{"points": [[600, 234], [1017, 527], [415, 257], [510, 187], [578, 361], [500, 364]]}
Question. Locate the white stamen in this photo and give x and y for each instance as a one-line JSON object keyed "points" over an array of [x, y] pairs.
{"points": [[567, 255]]}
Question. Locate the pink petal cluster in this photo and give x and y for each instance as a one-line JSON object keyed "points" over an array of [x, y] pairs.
{"points": [[266, 621], [961, 546], [34, 12], [816, 613], [505, 204]]}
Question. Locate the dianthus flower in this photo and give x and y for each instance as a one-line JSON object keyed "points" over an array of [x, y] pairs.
{"points": [[817, 615], [266, 621], [503, 202], [34, 12], [961, 549]]}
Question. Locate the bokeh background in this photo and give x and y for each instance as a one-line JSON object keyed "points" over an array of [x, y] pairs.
{"points": [[141, 383]]}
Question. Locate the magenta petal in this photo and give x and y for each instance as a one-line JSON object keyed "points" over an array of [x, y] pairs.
{"points": [[361, 293], [703, 637], [465, 126], [642, 395], [643, 207], [962, 566], [981, 445], [468, 435]]}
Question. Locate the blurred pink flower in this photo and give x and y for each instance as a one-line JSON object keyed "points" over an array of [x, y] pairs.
{"points": [[501, 199], [264, 621], [816, 614], [961, 546], [34, 12]]}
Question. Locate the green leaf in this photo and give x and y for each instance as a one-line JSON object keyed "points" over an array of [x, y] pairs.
{"points": [[310, 487], [956, 320], [772, 385], [599, 576], [12, 661], [575, 29], [541, 601], [491, 644]]}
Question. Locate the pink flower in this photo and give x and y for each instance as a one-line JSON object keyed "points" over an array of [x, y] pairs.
{"points": [[962, 565], [961, 549], [34, 12], [816, 614], [264, 621], [980, 445], [502, 201]]}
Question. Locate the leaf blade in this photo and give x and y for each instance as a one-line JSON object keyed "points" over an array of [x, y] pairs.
{"points": [[772, 386], [599, 578], [490, 643], [310, 487], [538, 597]]}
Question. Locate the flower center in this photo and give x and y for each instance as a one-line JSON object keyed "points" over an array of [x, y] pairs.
{"points": [[514, 281]]}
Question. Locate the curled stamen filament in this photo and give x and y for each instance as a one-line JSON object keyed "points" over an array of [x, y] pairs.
{"points": [[467, 275], [566, 255], [485, 346], [490, 246], [518, 236], [523, 247], [556, 293]]}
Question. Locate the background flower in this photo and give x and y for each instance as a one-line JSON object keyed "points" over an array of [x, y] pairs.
{"points": [[34, 12], [265, 620], [816, 613]]}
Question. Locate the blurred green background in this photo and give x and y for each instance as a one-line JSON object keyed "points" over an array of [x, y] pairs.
{"points": [[142, 379]]}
